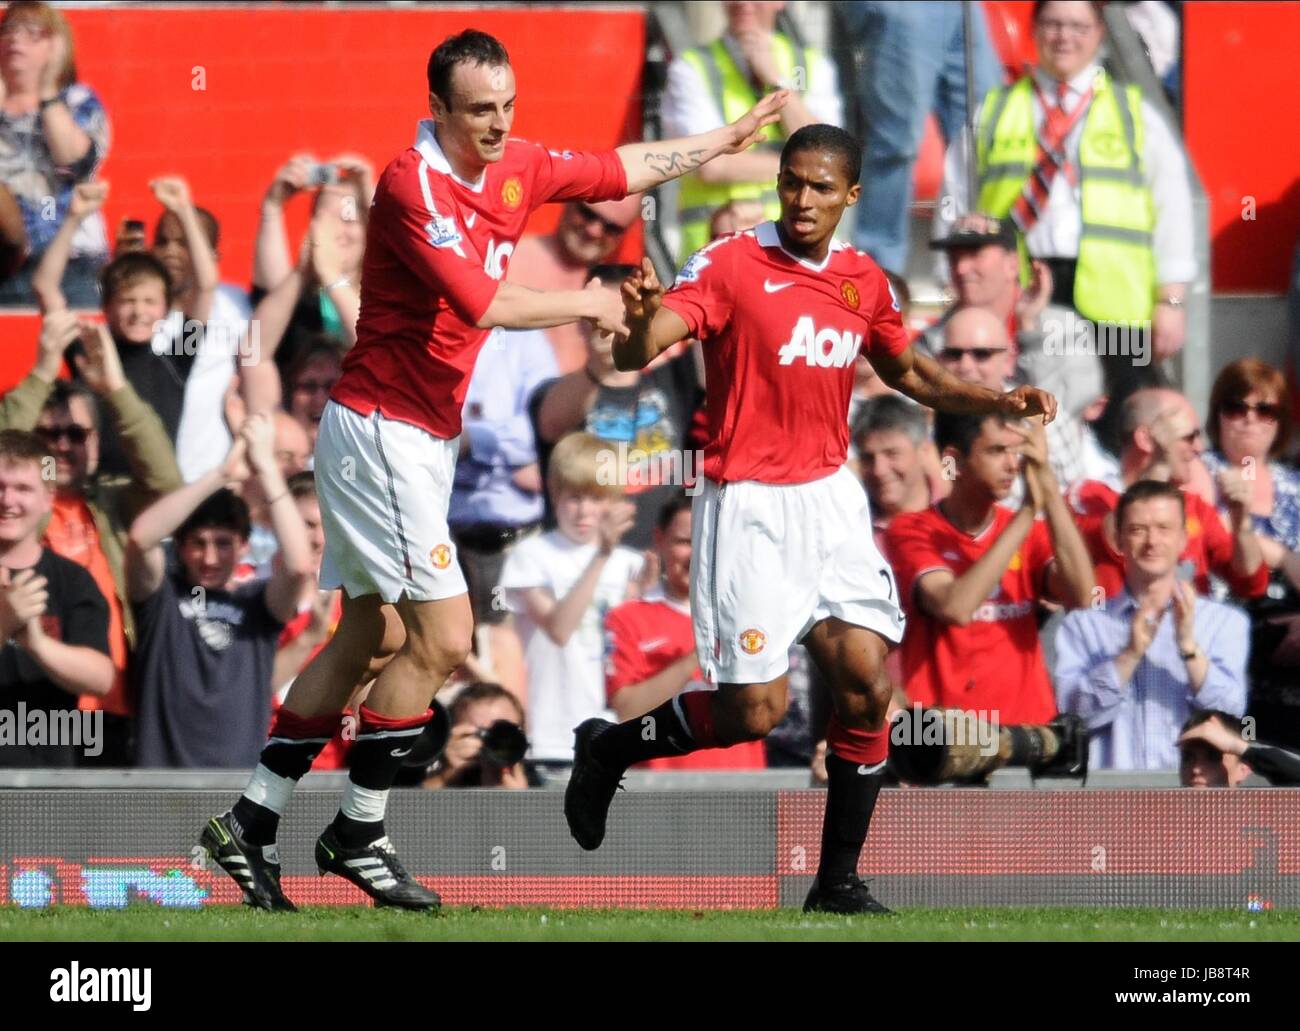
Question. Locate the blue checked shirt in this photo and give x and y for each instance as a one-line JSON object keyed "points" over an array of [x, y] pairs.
{"points": [[1134, 725]]}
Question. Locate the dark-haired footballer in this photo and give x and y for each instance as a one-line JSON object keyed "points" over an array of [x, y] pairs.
{"points": [[782, 545], [447, 214]]}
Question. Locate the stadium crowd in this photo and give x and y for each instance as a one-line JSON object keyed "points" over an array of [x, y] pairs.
{"points": [[1129, 563]]}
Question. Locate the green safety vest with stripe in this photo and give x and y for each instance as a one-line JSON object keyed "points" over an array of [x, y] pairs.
{"points": [[1116, 276], [734, 95]]}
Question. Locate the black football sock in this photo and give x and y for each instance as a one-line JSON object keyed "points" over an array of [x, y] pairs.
{"points": [[656, 735], [850, 801], [294, 743], [374, 760]]}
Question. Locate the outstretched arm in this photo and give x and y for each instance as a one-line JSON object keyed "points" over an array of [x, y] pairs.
{"points": [[649, 164], [652, 328], [924, 380]]}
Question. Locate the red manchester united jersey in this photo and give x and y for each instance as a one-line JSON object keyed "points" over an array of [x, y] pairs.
{"points": [[994, 663], [436, 250], [645, 637], [780, 337]]}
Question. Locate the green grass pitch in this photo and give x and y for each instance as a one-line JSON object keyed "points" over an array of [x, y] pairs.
{"points": [[148, 923]]}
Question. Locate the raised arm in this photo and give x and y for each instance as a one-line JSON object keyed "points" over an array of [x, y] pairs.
{"points": [[1070, 577], [173, 193], [296, 567], [650, 164], [271, 261], [87, 198], [145, 561], [924, 380], [652, 328]]}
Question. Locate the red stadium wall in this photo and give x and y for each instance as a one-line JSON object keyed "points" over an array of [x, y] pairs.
{"points": [[1240, 126], [279, 80]]}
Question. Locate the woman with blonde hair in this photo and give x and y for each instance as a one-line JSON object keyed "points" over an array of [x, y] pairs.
{"points": [[54, 133]]}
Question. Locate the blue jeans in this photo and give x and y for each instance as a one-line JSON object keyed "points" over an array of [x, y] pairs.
{"points": [[915, 63]]}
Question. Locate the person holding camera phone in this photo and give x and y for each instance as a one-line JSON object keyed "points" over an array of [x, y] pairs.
{"points": [[1137, 667], [470, 759], [320, 293]]}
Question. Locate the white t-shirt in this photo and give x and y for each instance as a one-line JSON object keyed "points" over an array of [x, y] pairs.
{"points": [[565, 685], [202, 438]]}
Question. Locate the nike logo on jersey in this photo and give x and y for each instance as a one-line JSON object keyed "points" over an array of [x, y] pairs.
{"points": [[825, 348], [470, 219], [649, 646], [771, 288]]}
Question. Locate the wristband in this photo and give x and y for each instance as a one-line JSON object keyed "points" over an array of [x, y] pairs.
{"points": [[42, 105], [1189, 656]]}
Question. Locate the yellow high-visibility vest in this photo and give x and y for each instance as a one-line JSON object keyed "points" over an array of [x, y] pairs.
{"points": [[1116, 276], [734, 95]]}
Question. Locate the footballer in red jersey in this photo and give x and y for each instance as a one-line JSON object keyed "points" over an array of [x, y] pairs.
{"points": [[446, 216], [782, 545]]}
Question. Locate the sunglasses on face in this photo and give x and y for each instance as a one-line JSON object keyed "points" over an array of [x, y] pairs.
{"points": [[591, 215], [73, 434], [980, 354], [1268, 411]]}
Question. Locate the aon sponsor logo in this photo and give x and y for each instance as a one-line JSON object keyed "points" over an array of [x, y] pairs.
{"points": [[497, 256], [825, 348]]}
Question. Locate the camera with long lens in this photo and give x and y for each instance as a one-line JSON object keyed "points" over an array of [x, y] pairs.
{"points": [[954, 746]]}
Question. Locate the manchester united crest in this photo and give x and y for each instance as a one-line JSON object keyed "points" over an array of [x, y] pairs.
{"points": [[752, 641], [512, 192], [440, 556], [850, 294]]}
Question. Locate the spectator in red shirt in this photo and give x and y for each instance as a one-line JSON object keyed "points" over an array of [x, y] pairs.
{"points": [[970, 573], [1162, 438], [650, 648]]}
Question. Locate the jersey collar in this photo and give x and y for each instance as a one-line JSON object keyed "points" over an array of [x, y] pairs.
{"points": [[766, 235], [426, 142]]}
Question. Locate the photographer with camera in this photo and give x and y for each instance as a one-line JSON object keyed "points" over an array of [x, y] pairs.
{"points": [[486, 746], [321, 293]]}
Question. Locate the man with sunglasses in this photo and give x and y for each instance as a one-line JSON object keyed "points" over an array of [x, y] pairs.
{"points": [[1162, 441], [91, 510], [586, 235]]}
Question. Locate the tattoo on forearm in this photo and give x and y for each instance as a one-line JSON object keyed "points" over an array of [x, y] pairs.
{"points": [[675, 163]]}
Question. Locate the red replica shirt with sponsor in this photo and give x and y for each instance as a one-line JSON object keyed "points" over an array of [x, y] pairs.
{"points": [[645, 637], [1209, 544], [780, 337], [994, 663], [436, 250]]}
